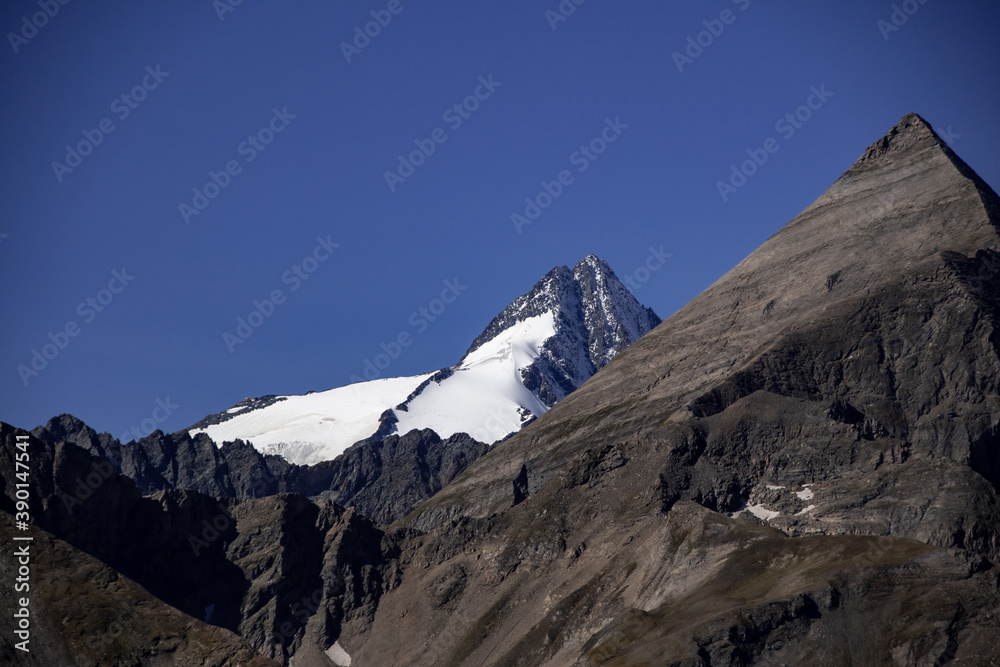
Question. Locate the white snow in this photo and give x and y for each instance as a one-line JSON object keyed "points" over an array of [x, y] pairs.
{"points": [[806, 510], [762, 512], [338, 655], [758, 511], [485, 394], [806, 493], [484, 397], [316, 427], [774, 488]]}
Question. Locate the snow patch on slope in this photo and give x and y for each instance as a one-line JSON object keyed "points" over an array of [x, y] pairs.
{"points": [[758, 511], [762, 512], [338, 655]]}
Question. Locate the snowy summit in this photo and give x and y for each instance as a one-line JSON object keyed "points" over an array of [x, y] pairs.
{"points": [[541, 347]]}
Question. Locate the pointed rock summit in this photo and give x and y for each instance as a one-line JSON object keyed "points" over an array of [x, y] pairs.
{"points": [[595, 318]]}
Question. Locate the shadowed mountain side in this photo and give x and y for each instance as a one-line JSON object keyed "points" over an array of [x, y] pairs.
{"points": [[382, 478], [86, 614], [275, 570]]}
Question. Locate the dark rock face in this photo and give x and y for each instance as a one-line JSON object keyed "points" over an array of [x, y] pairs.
{"points": [[596, 318], [384, 479], [272, 570], [85, 613], [161, 461]]}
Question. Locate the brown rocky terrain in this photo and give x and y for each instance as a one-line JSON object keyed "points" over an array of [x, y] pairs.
{"points": [[87, 614]]}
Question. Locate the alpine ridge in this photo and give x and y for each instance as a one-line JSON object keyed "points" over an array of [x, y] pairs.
{"points": [[540, 348]]}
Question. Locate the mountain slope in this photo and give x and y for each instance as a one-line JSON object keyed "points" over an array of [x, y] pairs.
{"points": [[809, 443], [534, 353], [859, 300], [86, 614], [276, 571]]}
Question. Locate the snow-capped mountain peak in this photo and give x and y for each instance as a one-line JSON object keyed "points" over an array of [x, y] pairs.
{"points": [[541, 347], [596, 317]]}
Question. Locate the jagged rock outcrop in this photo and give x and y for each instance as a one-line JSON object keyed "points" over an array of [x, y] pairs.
{"points": [[596, 318], [272, 570], [384, 477]]}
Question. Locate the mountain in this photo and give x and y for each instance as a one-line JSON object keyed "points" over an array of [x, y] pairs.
{"points": [[541, 347], [874, 310], [383, 478], [800, 467]]}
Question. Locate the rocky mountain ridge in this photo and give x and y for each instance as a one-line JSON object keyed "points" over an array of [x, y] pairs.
{"points": [[596, 318], [384, 478]]}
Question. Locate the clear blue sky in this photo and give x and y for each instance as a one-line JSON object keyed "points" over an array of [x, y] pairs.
{"points": [[322, 175]]}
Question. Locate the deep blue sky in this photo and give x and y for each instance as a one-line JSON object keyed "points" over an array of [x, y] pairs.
{"points": [[323, 175]]}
